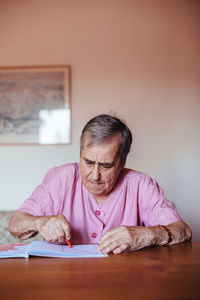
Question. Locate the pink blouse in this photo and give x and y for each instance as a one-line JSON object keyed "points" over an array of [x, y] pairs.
{"points": [[136, 199]]}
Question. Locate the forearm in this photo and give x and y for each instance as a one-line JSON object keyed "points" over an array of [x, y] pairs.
{"points": [[52, 228], [23, 225], [180, 232]]}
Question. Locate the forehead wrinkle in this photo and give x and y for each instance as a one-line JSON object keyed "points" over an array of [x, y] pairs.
{"points": [[99, 162]]}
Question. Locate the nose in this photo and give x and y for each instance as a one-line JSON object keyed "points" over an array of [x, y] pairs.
{"points": [[96, 174]]}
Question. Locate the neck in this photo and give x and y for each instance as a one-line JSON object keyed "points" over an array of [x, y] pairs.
{"points": [[100, 199]]}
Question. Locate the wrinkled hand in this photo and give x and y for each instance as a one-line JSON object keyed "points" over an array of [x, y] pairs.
{"points": [[54, 229], [124, 238]]}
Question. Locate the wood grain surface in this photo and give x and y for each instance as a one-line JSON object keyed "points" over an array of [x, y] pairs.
{"points": [[171, 272]]}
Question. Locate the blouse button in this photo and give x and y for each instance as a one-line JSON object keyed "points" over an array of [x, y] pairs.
{"points": [[94, 235], [97, 212]]}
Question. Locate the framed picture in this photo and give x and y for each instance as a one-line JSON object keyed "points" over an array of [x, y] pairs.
{"points": [[35, 105]]}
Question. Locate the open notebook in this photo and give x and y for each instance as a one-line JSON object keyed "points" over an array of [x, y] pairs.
{"points": [[41, 248]]}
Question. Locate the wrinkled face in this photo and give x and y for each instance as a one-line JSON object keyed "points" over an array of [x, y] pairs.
{"points": [[100, 167]]}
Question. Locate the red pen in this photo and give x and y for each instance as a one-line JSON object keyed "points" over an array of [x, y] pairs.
{"points": [[68, 242]]}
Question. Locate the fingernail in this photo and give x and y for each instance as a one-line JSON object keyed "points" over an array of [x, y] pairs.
{"points": [[116, 251]]}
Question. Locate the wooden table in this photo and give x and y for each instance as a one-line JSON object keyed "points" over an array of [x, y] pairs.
{"points": [[171, 272]]}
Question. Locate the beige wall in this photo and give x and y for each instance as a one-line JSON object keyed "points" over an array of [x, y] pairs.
{"points": [[138, 59]]}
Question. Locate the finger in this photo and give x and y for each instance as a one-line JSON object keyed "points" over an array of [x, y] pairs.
{"points": [[105, 243], [108, 235], [60, 227], [115, 238], [67, 230], [120, 249], [110, 247], [60, 234], [120, 231], [45, 234], [50, 235], [116, 247]]}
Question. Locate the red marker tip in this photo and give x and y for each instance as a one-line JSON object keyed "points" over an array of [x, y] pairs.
{"points": [[68, 242]]}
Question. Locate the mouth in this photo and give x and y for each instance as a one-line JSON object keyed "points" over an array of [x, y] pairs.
{"points": [[96, 183]]}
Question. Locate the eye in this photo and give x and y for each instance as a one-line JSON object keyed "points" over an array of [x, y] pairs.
{"points": [[88, 162], [107, 166]]}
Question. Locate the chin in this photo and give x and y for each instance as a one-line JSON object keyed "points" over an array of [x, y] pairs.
{"points": [[96, 191]]}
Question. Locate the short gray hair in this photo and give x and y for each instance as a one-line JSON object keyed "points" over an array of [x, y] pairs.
{"points": [[100, 128]]}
